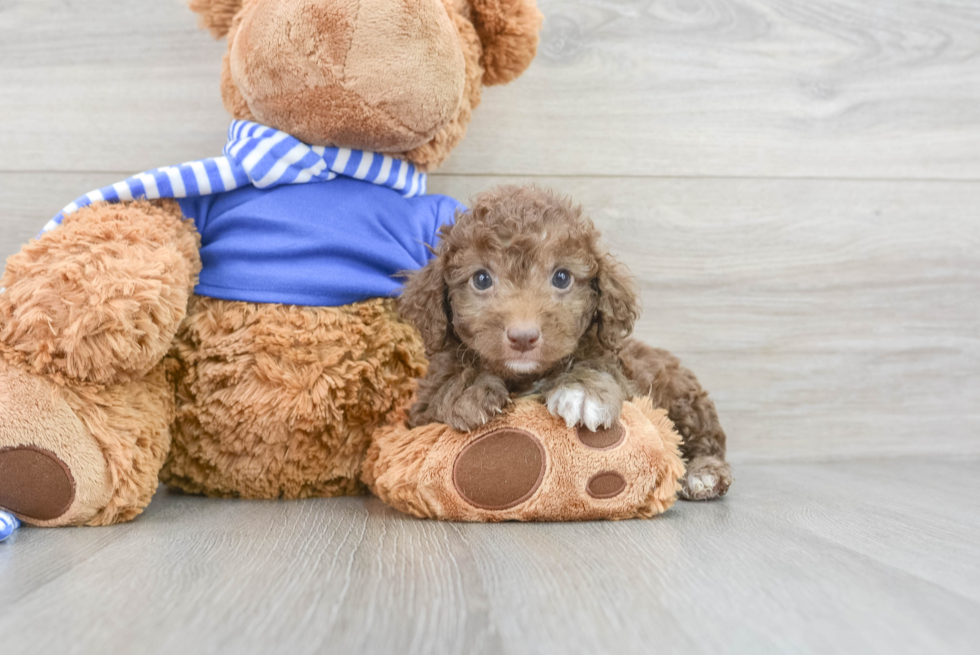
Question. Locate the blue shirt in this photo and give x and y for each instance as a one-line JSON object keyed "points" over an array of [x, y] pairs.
{"points": [[324, 244]]}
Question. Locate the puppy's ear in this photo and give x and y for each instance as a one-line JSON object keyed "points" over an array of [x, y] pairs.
{"points": [[617, 305], [509, 32], [216, 15], [425, 302]]}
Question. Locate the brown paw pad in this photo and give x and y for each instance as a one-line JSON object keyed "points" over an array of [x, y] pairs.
{"points": [[35, 483], [603, 438], [499, 470], [607, 484]]}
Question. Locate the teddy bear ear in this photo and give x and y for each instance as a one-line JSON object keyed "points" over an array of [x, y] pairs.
{"points": [[509, 32], [216, 15]]}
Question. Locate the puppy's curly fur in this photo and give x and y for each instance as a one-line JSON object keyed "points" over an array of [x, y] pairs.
{"points": [[522, 297]]}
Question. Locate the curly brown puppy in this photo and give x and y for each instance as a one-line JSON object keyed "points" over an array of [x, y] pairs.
{"points": [[522, 297]]}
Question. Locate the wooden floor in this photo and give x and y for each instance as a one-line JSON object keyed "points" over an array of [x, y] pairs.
{"points": [[796, 186], [847, 557]]}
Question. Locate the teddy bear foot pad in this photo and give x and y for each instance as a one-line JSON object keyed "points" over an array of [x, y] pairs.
{"points": [[52, 470], [34, 483], [505, 467], [499, 470]]}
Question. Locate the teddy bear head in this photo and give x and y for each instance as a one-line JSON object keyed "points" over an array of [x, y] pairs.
{"points": [[399, 77]]}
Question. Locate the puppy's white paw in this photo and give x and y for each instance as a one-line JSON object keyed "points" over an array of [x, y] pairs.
{"points": [[699, 484], [578, 407], [567, 403], [707, 478]]}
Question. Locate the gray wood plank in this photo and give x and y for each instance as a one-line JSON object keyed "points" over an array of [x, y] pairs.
{"points": [[824, 88], [106, 85], [918, 515], [827, 88], [828, 319], [767, 570]]}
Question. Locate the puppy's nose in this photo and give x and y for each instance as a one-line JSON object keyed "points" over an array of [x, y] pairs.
{"points": [[523, 338]]}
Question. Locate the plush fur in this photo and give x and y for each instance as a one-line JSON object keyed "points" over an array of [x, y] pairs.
{"points": [[387, 89], [259, 400], [280, 401], [431, 154], [216, 15], [509, 31], [130, 421], [554, 318], [392, 73]]}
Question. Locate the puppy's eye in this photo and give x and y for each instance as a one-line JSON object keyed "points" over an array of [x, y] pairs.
{"points": [[562, 279], [482, 280]]}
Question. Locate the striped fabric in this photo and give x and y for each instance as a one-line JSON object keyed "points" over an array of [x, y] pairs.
{"points": [[8, 523], [259, 155]]}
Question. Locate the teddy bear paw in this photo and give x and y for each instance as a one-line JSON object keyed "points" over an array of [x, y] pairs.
{"points": [[528, 465]]}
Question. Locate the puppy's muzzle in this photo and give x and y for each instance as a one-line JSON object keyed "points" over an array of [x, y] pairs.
{"points": [[523, 339]]}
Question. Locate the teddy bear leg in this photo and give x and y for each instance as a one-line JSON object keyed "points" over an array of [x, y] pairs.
{"points": [[529, 465], [280, 401], [86, 317]]}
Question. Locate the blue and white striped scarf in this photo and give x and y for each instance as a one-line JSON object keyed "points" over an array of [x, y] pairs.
{"points": [[261, 156], [8, 523]]}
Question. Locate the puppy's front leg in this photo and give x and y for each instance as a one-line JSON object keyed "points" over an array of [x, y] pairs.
{"points": [[479, 402], [464, 399], [587, 396]]}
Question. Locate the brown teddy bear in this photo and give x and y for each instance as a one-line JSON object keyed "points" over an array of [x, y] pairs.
{"points": [[173, 327]]}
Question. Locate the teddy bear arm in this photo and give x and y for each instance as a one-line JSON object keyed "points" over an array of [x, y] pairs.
{"points": [[99, 299]]}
